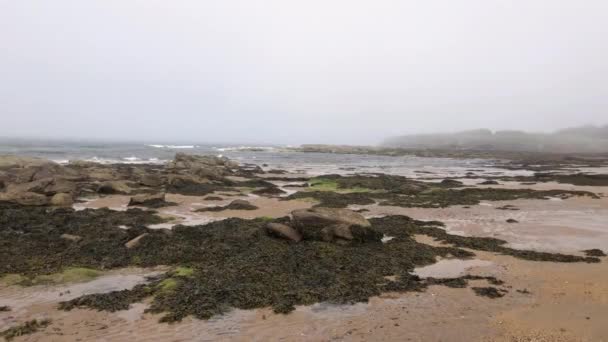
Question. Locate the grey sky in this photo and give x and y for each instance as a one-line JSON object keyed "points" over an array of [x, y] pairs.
{"points": [[337, 71]]}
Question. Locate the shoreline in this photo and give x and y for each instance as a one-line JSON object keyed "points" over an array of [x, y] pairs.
{"points": [[534, 290]]}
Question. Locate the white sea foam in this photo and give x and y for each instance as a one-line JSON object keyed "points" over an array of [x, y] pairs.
{"points": [[126, 160], [173, 146], [246, 148], [131, 159]]}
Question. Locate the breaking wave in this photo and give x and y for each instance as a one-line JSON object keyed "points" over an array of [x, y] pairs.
{"points": [[173, 146], [246, 149]]}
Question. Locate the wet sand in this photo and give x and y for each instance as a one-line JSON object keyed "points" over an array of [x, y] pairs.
{"points": [[555, 301]]}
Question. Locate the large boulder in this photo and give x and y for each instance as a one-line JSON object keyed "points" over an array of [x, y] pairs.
{"points": [[39, 172], [190, 161], [323, 217], [61, 185], [10, 162], [150, 180], [211, 167], [24, 198], [38, 186], [47, 186], [62, 200], [329, 224]]}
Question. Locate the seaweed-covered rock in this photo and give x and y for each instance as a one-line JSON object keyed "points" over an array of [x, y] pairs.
{"points": [[489, 182], [269, 191], [241, 205], [595, 252], [451, 183], [234, 205], [148, 199], [283, 231]]}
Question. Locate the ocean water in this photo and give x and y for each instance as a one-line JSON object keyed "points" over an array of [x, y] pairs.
{"points": [[270, 157]]}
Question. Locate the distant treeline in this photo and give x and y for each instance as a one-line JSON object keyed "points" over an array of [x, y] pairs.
{"points": [[587, 139]]}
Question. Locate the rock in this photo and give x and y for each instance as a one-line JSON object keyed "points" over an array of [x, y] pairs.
{"points": [[178, 181], [61, 185], [451, 182], [323, 217], [136, 241], [213, 198], [101, 174], [209, 173], [210, 167], [83, 163], [148, 199], [328, 224], [46, 171], [25, 198], [512, 221], [38, 186], [283, 231], [10, 161], [342, 231], [151, 180], [411, 188], [71, 237], [234, 205], [188, 161], [52, 170], [114, 187], [241, 205], [489, 182], [62, 200], [269, 191]]}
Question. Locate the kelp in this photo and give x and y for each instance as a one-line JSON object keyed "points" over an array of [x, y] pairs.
{"points": [[432, 198], [490, 292], [26, 328], [234, 263]]}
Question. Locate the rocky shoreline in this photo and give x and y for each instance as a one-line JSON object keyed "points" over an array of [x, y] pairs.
{"points": [[319, 249], [537, 161]]}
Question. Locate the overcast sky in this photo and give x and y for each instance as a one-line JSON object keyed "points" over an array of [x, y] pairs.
{"points": [[332, 71]]}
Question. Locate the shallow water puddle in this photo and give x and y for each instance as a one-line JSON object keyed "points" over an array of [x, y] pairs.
{"points": [[449, 268], [18, 297]]}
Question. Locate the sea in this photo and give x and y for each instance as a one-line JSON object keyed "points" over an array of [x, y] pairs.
{"points": [[269, 157]]}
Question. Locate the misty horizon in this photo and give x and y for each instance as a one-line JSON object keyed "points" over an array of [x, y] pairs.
{"points": [[283, 73]]}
